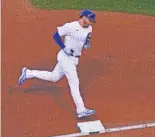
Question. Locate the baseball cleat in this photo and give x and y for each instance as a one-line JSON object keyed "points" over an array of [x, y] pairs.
{"points": [[85, 113], [22, 77]]}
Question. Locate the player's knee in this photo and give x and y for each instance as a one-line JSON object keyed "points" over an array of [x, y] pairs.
{"points": [[54, 77], [53, 80], [74, 80]]}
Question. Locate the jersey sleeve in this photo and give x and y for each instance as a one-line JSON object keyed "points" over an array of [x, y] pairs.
{"points": [[64, 30], [88, 38]]}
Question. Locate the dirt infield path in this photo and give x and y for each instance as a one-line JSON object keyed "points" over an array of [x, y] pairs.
{"points": [[117, 74]]}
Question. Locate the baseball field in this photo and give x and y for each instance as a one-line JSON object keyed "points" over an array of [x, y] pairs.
{"points": [[129, 6], [117, 74]]}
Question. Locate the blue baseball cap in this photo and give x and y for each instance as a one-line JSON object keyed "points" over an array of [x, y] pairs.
{"points": [[89, 14]]}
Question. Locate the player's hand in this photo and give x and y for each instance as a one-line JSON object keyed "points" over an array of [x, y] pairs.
{"points": [[68, 51], [86, 46]]}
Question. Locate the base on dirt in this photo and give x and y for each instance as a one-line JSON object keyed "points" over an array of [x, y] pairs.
{"points": [[91, 127]]}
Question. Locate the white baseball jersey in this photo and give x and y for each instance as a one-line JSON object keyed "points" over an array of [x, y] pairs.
{"points": [[75, 35]]}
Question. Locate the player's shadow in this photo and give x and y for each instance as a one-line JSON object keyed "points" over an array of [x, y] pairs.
{"points": [[94, 67], [38, 89], [56, 92]]}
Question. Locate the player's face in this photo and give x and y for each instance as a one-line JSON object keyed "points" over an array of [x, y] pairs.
{"points": [[87, 22]]}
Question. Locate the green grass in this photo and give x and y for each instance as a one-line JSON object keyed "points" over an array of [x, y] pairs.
{"points": [[146, 7]]}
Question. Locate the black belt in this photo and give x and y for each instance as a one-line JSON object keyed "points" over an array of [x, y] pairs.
{"points": [[75, 56]]}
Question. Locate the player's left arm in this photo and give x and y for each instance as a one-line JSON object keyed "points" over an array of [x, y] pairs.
{"points": [[87, 42]]}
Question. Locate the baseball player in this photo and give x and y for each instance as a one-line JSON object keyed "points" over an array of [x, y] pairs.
{"points": [[77, 35]]}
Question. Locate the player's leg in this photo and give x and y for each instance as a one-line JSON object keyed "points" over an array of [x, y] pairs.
{"points": [[73, 81], [53, 76], [70, 71]]}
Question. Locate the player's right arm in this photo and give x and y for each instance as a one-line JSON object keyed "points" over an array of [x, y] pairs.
{"points": [[62, 31]]}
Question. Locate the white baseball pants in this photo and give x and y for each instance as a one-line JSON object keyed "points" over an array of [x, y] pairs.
{"points": [[66, 66]]}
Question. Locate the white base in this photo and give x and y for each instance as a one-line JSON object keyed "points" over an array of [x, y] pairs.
{"points": [[91, 127]]}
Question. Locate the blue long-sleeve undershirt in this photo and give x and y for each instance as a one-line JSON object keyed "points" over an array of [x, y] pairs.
{"points": [[58, 40]]}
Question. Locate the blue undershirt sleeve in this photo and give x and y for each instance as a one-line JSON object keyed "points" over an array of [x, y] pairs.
{"points": [[58, 40]]}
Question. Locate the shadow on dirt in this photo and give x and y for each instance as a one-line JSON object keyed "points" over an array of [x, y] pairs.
{"points": [[94, 67], [55, 92], [91, 68]]}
